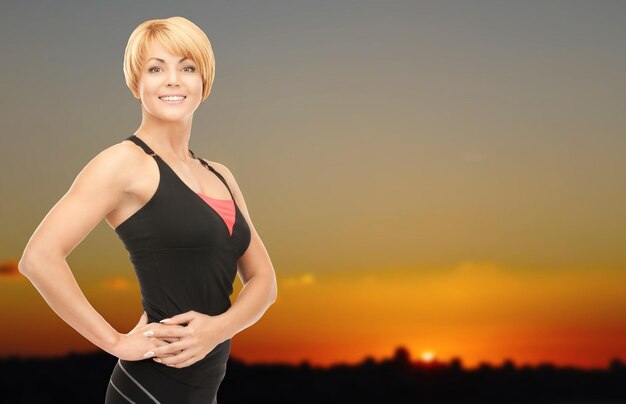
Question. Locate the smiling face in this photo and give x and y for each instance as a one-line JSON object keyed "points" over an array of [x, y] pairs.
{"points": [[163, 74]]}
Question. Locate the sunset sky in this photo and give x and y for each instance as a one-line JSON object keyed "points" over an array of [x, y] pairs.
{"points": [[442, 175]]}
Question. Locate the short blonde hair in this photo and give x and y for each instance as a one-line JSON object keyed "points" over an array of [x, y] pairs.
{"points": [[179, 36]]}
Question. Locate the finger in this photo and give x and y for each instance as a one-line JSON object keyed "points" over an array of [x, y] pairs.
{"points": [[174, 353], [159, 343], [163, 331], [180, 318], [186, 362], [164, 340], [165, 355], [181, 360], [169, 349], [141, 322]]}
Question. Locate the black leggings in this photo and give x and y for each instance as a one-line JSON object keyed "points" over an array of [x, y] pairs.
{"points": [[130, 384]]}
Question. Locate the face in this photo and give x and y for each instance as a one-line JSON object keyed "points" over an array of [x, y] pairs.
{"points": [[169, 77]]}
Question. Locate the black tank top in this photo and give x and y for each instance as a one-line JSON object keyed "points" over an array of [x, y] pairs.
{"points": [[185, 259]]}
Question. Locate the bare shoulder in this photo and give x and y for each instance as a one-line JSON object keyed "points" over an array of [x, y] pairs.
{"points": [[229, 177], [126, 154], [95, 192], [114, 165], [222, 169], [113, 169]]}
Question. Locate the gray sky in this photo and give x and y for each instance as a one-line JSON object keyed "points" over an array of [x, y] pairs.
{"points": [[364, 135]]}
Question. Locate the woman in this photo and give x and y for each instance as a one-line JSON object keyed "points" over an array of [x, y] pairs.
{"points": [[183, 221]]}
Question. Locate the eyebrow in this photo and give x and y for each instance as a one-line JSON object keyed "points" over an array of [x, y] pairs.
{"points": [[163, 61]]}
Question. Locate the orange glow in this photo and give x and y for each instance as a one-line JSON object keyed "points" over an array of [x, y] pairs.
{"points": [[475, 312], [428, 357]]}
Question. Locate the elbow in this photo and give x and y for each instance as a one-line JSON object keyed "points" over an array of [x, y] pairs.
{"points": [[26, 264], [23, 268], [29, 262], [38, 255]]}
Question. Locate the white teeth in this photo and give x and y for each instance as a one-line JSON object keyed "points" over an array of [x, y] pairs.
{"points": [[172, 98]]}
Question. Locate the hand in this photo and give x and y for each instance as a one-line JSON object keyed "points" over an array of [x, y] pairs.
{"points": [[191, 343], [133, 345]]}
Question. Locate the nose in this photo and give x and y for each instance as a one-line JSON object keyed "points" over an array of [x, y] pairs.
{"points": [[172, 78]]}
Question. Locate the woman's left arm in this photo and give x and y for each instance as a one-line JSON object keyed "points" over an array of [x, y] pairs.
{"points": [[255, 270]]}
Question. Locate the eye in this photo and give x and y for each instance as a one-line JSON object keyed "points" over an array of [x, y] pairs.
{"points": [[193, 69]]}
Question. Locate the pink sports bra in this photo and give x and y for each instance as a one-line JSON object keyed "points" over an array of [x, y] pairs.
{"points": [[224, 207]]}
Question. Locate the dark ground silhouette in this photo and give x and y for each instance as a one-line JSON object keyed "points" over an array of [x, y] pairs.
{"points": [[83, 378]]}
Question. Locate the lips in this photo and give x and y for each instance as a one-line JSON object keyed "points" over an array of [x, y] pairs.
{"points": [[173, 101]]}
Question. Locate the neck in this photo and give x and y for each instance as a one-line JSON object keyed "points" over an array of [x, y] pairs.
{"points": [[167, 138]]}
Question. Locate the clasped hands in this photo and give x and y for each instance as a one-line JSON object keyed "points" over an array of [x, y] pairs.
{"points": [[187, 344]]}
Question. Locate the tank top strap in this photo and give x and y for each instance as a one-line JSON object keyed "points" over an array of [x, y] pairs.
{"points": [[141, 144], [204, 163]]}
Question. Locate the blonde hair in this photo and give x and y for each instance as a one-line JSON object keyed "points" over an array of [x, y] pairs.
{"points": [[179, 36]]}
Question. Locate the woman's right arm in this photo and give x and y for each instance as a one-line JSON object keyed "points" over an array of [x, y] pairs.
{"points": [[96, 191]]}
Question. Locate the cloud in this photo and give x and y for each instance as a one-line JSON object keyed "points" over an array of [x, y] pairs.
{"points": [[473, 268], [116, 283], [303, 279], [9, 270]]}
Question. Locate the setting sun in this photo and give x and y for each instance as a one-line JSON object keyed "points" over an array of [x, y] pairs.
{"points": [[428, 356]]}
